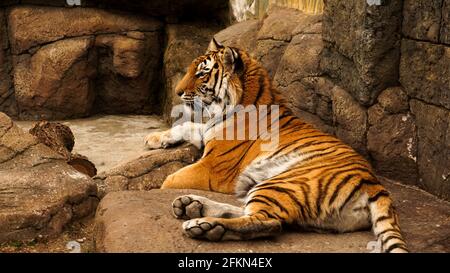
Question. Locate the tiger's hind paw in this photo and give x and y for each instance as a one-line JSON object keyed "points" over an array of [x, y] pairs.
{"points": [[187, 207], [202, 228]]}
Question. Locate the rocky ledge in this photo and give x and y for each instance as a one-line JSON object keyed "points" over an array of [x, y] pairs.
{"points": [[39, 192], [138, 221]]}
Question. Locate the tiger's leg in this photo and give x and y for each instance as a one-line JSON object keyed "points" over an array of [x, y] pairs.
{"points": [[265, 212], [194, 206], [194, 176], [242, 228], [385, 222], [188, 131]]}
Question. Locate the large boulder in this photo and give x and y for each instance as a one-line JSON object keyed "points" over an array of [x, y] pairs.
{"points": [[39, 192], [57, 81], [102, 61], [298, 74], [128, 76], [362, 46], [350, 119], [275, 34], [32, 26], [422, 19], [148, 171], [392, 136], [241, 35], [425, 70], [136, 221]]}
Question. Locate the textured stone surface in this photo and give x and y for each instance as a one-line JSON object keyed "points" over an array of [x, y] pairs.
{"points": [[394, 100], [128, 72], [275, 34], [181, 9], [56, 82], [32, 26], [433, 130], [351, 119], [422, 19], [362, 46], [241, 35], [392, 143], [39, 192], [115, 70], [425, 70], [142, 222], [445, 25], [298, 76], [184, 44], [148, 171], [7, 100]]}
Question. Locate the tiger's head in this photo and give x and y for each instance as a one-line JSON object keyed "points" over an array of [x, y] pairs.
{"points": [[213, 78]]}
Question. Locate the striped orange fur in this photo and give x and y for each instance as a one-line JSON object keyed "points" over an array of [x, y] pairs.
{"points": [[312, 180]]}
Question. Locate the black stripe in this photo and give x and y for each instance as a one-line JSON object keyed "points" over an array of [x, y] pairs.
{"points": [[378, 195], [390, 237], [385, 231], [261, 88], [305, 194], [310, 143], [216, 76], [234, 148], [338, 188], [272, 200], [257, 201], [233, 168], [291, 193], [324, 193], [356, 189], [209, 152], [267, 184], [288, 122], [382, 218], [244, 154], [329, 165], [397, 245], [270, 215]]}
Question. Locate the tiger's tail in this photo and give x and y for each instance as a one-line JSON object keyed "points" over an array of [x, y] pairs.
{"points": [[385, 223]]}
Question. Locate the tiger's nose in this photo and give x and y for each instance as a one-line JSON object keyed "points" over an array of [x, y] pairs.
{"points": [[179, 92]]}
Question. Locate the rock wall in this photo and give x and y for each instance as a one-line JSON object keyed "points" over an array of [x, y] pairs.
{"points": [[394, 59], [375, 76], [58, 62]]}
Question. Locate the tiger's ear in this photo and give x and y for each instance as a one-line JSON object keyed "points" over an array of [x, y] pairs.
{"points": [[231, 60], [214, 46]]}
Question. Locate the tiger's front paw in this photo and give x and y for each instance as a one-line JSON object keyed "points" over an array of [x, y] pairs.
{"points": [[187, 207], [157, 140]]}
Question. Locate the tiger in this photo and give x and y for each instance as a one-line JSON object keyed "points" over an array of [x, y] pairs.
{"points": [[311, 180]]}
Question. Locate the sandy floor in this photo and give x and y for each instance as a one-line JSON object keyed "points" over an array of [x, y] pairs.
{"points": [[109, 140]]}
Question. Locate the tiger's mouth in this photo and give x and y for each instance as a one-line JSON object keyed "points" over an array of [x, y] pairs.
{"points": [[198, 101]]}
